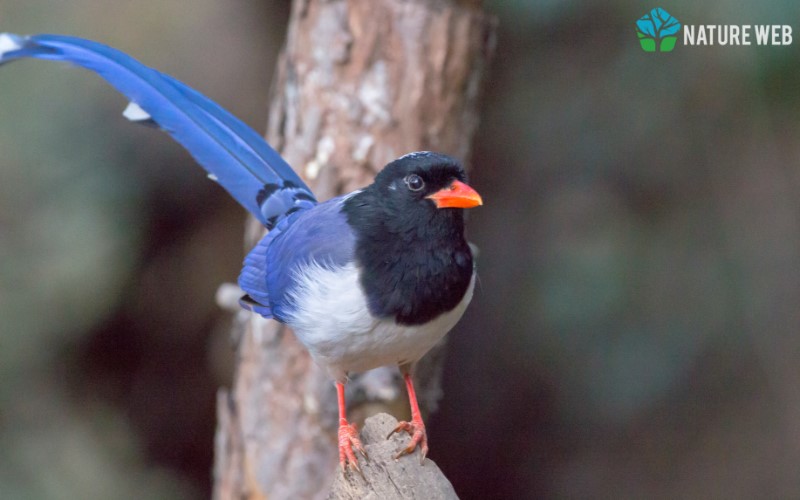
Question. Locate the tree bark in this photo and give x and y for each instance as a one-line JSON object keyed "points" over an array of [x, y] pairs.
{"points": [[359, 83]]}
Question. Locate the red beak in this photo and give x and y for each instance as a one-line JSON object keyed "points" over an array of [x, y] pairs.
{"points": [[456, 195]]}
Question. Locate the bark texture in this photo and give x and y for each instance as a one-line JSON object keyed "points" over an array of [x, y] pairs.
{"points": [[360, 83]]}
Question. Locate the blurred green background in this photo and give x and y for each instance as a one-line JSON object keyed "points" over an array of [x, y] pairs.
{"points": [[635, 331]]}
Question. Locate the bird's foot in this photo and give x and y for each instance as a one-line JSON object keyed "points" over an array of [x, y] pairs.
{"points": [[348, 441], [419, 437]]}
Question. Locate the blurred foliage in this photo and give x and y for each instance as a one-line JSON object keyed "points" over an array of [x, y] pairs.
{"points": [[112, 244], [634, 333]]}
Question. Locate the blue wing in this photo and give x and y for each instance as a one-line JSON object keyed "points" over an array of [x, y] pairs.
{"points": [[233, 153], [320, 235]]}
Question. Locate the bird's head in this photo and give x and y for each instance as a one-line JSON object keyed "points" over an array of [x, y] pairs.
{"points": [[426, 180]]}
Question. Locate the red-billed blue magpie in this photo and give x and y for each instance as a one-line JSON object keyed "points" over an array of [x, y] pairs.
{"points": [[373, 278]]}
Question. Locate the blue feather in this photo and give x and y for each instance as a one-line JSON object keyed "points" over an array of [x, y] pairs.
{"points": [[233, 153], [320, 236]]}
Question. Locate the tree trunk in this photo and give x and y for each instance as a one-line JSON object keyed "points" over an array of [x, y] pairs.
{"points": [[360, 83]]}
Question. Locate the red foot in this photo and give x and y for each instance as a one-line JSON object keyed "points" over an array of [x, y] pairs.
{"points": [[348, 441], [415, 428]]}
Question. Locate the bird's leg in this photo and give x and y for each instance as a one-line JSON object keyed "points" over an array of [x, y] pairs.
{"points": [[416, 428], [348, 436]]}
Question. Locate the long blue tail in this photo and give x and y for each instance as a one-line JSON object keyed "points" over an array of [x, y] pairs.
{"points": [[233, 153]]}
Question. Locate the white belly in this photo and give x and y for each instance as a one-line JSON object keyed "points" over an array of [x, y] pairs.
{"points": [[336, 327]]}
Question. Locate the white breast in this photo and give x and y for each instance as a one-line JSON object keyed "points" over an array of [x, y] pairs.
{"points": [[333, 322]]}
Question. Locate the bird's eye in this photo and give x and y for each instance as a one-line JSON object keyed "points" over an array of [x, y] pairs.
{"points": [[414, 182]]}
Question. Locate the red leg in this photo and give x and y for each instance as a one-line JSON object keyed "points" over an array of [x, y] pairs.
{"points": [[416, 428], [348, 436]]}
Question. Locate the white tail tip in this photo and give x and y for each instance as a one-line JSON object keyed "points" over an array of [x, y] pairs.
{"points": [[8, 43], [135, 113]]}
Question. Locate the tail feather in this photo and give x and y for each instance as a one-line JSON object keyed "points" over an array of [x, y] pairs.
{"points": [[232, 153]]}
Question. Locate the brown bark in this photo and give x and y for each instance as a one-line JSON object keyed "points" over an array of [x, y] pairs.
{"points": [[360, 82]]}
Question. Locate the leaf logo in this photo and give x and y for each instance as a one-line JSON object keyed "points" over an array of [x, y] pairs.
{"points": [[657, 29]]}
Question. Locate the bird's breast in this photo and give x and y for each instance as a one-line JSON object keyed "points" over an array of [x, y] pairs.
{"points": [[331, 317]]}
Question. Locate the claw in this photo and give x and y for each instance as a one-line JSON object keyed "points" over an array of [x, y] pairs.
{"points": [[354, 466], [348, 440], [419, 437], [400, 427]]}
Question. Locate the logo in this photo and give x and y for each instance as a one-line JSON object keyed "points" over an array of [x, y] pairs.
{"points": [[657, 30]]}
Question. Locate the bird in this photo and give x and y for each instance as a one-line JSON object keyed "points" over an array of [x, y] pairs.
{"points": [[372, 278]]}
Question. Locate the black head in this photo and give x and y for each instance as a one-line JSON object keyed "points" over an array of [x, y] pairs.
{"points": [[418, 185], [409, 225], [417, 175]]}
